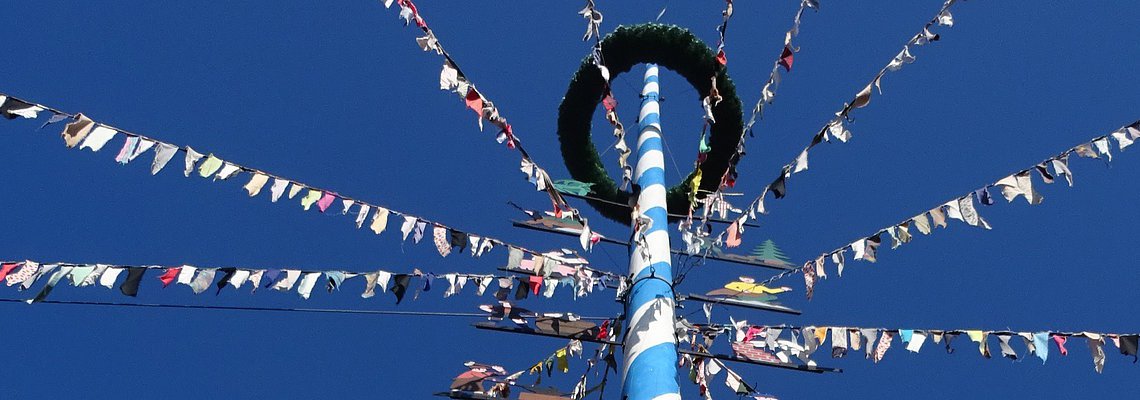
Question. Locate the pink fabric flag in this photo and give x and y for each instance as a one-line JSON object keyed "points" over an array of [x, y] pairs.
{"points": [[474, 101], [326, 200], [1061, 344], [733, 236]]}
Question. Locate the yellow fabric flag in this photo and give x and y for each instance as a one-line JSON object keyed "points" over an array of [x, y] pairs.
{"points": [[310, 198], [821, 334], [210, 166], [694, 185], [980, 338], [563, 362]]}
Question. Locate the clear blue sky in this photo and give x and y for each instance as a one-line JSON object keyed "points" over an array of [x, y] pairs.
{"points": [[338, 94]]}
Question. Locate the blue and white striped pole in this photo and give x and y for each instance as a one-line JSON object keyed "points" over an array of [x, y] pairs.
{"points": [[649, 370]]}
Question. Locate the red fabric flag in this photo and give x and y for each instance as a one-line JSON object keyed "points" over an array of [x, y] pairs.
{"points": [[169, 276], [604, 330], [535, 284], [786, 58], [415, 13], [609, 102], [7, 269], [721, 58], [474, 101], [510, 135]]}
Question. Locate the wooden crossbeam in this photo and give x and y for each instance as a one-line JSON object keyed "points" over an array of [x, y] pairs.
{"points": [[456, 394], [614, 203], [491, 326], [745, 304], [588, 338], [791, 366], [524, 224]]}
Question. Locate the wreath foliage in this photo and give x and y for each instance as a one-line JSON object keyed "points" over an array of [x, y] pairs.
{"points": [[668, 46]]}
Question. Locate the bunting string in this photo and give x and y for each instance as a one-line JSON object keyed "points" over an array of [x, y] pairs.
{"points": [[454, 80], [715, 201], [703, 369], [768, 91], [835, 127], [241, 308], [593, 30], [27, 273], [1018, 184], [83, 132], [769, 343], [471, 381]]}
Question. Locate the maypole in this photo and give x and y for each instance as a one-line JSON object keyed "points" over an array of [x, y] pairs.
{"points": [[649, 370]]}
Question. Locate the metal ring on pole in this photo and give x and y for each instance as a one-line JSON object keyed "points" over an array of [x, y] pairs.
{"points": [[678, 50]]}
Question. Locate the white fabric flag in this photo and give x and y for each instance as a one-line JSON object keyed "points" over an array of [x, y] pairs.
{"points": [[98, 138], [1020, 184], [916, 341], [407, 226], [550, 285], [859, 248], [382, 278], [239, 278], [379, 220], [484, 283], [192, 158], [109, 276], [801, 162], [95, 275], [203, 280], [307, 283], [277, 189], [186, 275], [255, 278], [142, 147], [449, 77], [1100, 144], [286, 283], [162, 155], [361, 215], [228, 171], [1061, 167], [1122, 138]]}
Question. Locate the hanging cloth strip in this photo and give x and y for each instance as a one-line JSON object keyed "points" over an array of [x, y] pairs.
{"points": [[767, 94], [1036, 343], [200, 278], [835, 127], [453, 79], [964, 209], [219, 170]]}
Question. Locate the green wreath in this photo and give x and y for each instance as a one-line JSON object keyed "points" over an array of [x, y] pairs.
{"points": [[668, 46]]}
